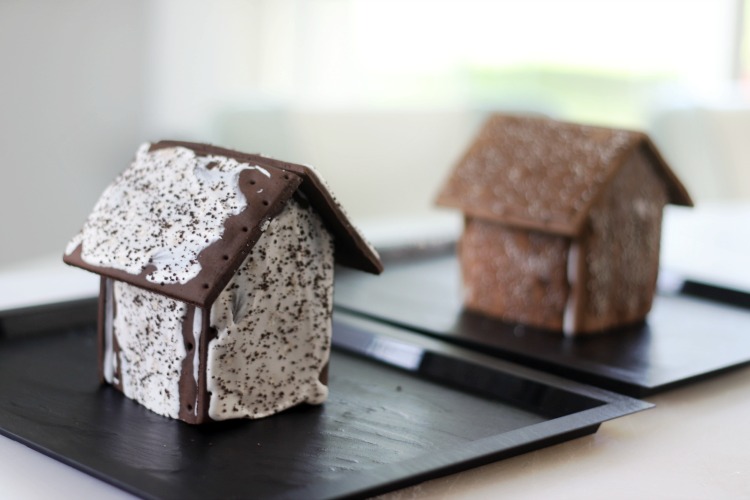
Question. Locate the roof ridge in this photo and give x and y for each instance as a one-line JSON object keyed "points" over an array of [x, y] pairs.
{"points": [[353, 249]]}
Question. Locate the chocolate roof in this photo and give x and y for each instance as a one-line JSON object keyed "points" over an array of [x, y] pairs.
{"points": [[542, 174], [266, 187]]}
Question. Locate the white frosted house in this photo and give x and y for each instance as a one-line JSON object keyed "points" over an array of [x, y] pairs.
{"points": [[217, 281]]}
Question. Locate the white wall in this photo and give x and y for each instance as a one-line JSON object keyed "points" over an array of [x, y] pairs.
{"points": [[71, 93]]}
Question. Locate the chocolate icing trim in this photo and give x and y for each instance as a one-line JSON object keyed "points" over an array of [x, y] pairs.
{"points": [[207, 335]]}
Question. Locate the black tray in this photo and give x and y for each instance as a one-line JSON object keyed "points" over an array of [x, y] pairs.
{"points": [[403, 409], [684, 338]]}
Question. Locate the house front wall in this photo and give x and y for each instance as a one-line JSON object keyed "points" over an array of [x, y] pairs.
{"points": [[622, 248], [516, 275]]}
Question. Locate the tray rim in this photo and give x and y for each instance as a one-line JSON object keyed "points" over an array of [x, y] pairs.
{"points": [[499, 446]]}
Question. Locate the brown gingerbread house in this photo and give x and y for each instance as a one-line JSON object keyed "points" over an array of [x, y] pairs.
{"points": [[562, 222], [217, 281]]}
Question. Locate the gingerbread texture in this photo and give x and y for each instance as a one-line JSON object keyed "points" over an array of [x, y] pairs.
{"points": [[562, 223]]}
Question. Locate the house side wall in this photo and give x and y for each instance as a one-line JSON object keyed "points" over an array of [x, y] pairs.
{"points": [[622, 257], [273, 321], [516, 275]]}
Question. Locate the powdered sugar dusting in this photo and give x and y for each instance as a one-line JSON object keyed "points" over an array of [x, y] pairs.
{"points": [[535, 170]]}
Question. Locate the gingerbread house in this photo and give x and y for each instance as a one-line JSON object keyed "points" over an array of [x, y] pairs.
{"points": [[562, 222], [216, 281]]}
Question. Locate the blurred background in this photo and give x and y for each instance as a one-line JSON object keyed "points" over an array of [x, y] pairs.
{"points": [[381, 96]]}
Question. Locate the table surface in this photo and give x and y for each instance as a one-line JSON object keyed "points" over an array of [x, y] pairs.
{"points": [[694, 444]]}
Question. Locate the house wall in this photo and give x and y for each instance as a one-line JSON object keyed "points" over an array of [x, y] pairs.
{"points": [[622, 247], [516, 275], [145, 349], [273, 322]]}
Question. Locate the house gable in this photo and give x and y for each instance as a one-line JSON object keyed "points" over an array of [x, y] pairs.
{"points": [[540, 174], [622, 249], [272, 322]]}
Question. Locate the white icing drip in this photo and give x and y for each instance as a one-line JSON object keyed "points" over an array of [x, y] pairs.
{"points": [[569, 314], [274, 322], [197, 327], [166, 208], [148, 329], [108, 366]]}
